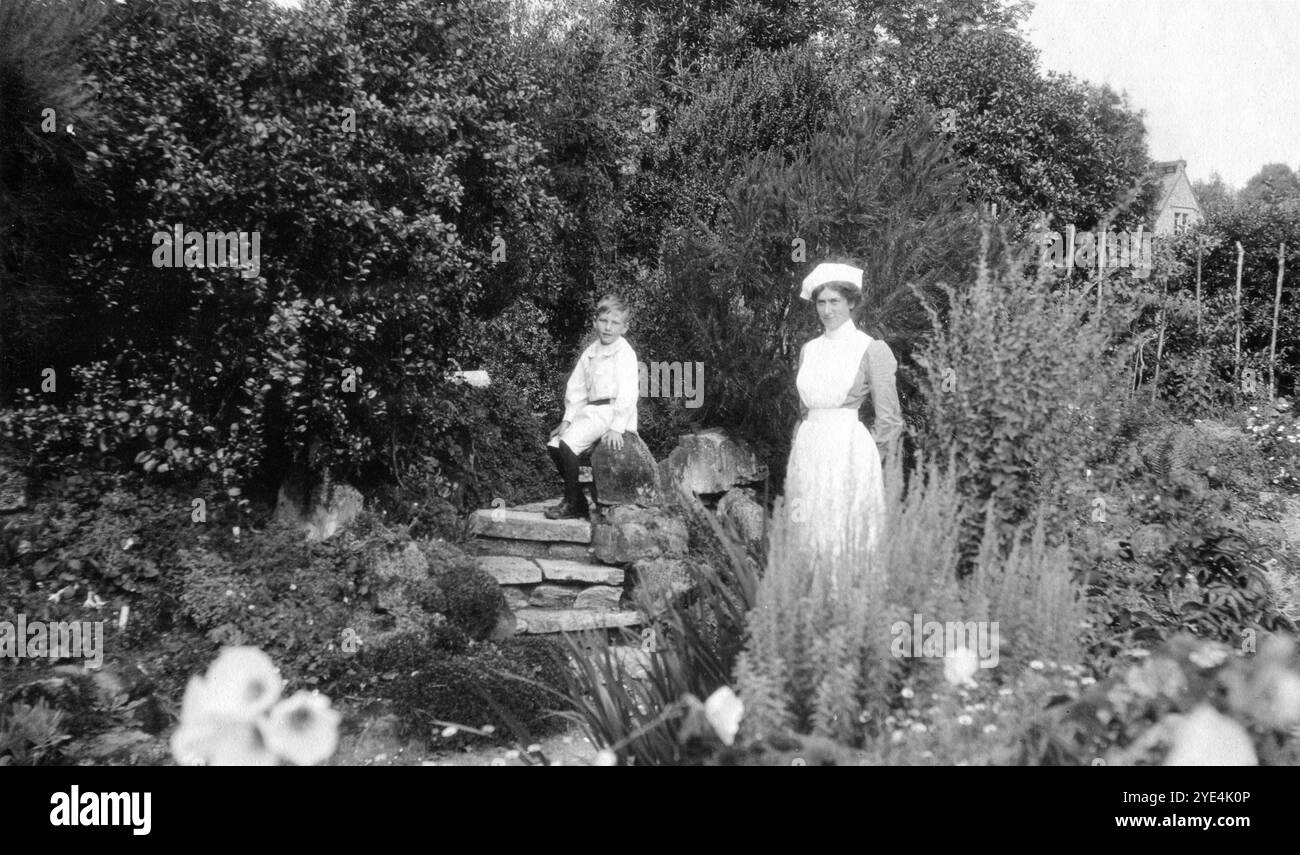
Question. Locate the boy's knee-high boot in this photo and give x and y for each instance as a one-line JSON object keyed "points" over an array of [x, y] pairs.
{"points": [[572, 489], [557, 458]]}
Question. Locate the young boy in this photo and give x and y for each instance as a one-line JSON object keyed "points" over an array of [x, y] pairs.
{"points": [[599, 403]]}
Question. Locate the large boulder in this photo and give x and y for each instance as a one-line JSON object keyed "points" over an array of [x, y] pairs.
{"points": [[711, 462], [628, 476], [323, 513], [626, 533]]}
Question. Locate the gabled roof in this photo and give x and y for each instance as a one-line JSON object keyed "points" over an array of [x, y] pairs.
{"points": [[1170, 171]]}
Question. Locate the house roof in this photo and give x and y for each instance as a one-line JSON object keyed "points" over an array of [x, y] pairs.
{"points": [[1170, 171]]}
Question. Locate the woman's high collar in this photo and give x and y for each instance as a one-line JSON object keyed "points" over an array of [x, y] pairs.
{"points": [[844, 331]]}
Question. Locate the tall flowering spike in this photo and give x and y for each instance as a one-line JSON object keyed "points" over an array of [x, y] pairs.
{"points": [[960, 665], [724, 711], [303, 729], [241, 684], [1205, 737]]}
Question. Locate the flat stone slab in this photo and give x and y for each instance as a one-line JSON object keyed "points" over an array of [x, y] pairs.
{"points": [[541, 621], [552, 596], [559, 570], [516, 597], [598, 598], [528, 525], [510, 569], [530, 548]]}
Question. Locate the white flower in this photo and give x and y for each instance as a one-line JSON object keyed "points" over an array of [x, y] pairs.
{"points": [[606, 758], [1208, 655], [919, 728], [724, 711], [990, 728], [219, 711], [216, 741], [240, 685], [907, 692], [960, 665], [1205, 737], [897, 736], [965, 720], [1037, 665], [449, 731], [303, 729]]}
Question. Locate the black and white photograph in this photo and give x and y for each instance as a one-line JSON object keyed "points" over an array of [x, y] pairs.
{"points": [[885, 383]]}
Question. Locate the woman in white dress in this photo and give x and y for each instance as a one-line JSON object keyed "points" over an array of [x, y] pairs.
{"points": [[833, 488]]}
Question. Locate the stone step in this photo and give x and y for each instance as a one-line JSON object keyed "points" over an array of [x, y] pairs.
{"points": [[528, 525], [516, 570], [550, 595], [543, 621], [530, 548], [510, 569], [560, 570]]}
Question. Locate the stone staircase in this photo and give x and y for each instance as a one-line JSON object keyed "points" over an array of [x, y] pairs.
{"points": [[548, 571]]}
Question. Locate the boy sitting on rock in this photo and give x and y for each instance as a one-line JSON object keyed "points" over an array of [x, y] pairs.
{"points": [[599, 403]]}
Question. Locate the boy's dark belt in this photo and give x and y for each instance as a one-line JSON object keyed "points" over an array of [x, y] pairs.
{"points": [[601, 401]]}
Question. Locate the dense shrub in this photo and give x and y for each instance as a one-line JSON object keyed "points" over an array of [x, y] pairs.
{"points": [[306, 603], [1021, 387], [732, 276], [376, 149], [435, 680]]}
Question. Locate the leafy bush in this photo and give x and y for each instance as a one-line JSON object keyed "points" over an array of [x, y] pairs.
{"points": [[276, 593], [30, 735], [1189, 702], [113, 423], [375, 149], [303, 602], [1020, 388]]}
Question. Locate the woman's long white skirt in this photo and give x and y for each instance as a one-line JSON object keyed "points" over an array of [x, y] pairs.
{"points": [[834, 493]]}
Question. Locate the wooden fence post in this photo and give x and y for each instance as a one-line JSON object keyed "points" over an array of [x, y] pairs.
{"points": [[1160, 345], [1277, 307], [1236, 309], [1198, 290]]}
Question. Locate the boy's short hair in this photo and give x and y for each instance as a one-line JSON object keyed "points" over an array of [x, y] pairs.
{"points": [[613, 303]]}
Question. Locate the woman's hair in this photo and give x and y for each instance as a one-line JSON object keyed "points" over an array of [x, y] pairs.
{"points": [[850, 294], [613, 303]]}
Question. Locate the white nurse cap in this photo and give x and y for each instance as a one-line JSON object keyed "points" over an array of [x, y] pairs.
{"points": [[829, 272]]}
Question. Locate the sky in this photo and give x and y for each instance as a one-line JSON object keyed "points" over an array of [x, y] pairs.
{"points": [[1219, 80]]}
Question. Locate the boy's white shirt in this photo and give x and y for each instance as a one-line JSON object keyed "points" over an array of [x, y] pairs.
{"points": [[605, 372]]}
